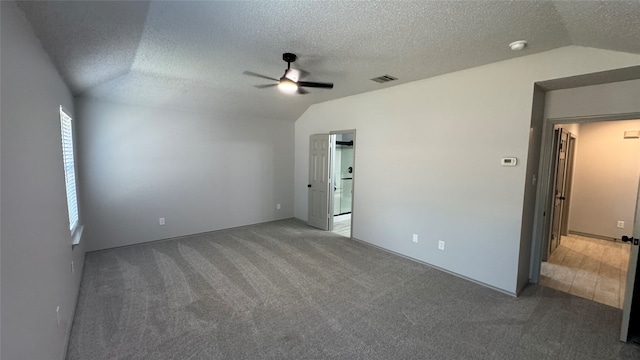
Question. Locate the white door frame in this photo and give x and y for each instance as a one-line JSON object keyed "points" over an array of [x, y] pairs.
{"points": [[541, 225], [353, 191]]}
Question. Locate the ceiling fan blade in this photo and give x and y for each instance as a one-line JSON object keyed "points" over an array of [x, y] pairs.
{"points": [[302, 91], [265, 86], [315, 84], [250, 73]]}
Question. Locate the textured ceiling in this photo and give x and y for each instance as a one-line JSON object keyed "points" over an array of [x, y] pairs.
{"points": [[192, 54]]}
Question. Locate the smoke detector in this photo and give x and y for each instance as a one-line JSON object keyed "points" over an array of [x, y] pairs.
{"points": [[518, 45]]}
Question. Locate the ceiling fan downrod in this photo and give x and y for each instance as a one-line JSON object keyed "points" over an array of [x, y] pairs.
{"points": [[289, 58]]}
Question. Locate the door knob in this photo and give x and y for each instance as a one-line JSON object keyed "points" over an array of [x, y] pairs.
{"points": [[309, 185], [632, 240], [562, 198]]}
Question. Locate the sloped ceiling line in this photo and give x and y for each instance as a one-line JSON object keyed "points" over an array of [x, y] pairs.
{"points": [[90, 42]]}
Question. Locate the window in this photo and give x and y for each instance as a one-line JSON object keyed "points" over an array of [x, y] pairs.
{"points": [[69, 168]]}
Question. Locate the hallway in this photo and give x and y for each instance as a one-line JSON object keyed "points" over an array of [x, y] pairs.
{"points": [[591, 268]]}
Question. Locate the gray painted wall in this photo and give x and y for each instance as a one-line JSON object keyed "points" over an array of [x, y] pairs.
{"points": [[605, 183], [614, 98], [201, 172], [444, 137], [36, 243]]}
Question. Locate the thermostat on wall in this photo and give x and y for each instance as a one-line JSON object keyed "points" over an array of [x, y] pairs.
{"points": [[508, 161]]}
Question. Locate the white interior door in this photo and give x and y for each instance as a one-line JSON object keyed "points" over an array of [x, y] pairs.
{"points": [[631, 309], [319, 180]]}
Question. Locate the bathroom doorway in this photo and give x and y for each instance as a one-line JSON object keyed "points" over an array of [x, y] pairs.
{"points": [[343, 176]]}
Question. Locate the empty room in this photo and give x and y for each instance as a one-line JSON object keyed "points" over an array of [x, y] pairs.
{"points": [[315, 180]]}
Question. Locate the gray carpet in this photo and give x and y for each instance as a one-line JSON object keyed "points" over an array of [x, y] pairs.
{"points": [[283, 290]]}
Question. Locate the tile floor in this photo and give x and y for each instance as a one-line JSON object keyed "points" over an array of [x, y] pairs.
{"points": [[590, 268], [342, 227]]}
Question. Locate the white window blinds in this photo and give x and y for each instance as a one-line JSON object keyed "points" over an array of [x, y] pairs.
{"points": [[69, 168]]}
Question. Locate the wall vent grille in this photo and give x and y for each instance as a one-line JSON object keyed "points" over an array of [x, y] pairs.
{"points": [[384, 78]]}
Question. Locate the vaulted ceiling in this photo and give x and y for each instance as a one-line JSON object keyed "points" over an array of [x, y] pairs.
{"points": [[192, 55]]}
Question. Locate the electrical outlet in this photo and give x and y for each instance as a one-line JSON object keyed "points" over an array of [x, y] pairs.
{"points": [[415, 238], [441, 245], [278, 206], [620, 224], [161, 221]]}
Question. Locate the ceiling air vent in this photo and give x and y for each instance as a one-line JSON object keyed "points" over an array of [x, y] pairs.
{"points": [[384, 78]]}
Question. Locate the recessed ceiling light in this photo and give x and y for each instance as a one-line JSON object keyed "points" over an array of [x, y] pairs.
{"points": [[518, 45]]}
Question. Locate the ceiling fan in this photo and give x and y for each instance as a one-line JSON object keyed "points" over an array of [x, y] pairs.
{"points": [[290, 81]]}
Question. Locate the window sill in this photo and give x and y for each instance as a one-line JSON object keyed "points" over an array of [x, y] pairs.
{"points": [[77, 235]]}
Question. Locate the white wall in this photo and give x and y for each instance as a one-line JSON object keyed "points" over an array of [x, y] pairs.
{"points": [[36, 243], [445, 136], [605, 183], [201, 172]]}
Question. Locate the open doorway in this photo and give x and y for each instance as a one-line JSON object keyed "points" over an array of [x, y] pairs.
{"points": [[343, 172], [331, 179], [593, 201]]}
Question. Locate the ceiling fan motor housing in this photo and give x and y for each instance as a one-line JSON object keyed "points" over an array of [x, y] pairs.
{"points": [[289, 57]]}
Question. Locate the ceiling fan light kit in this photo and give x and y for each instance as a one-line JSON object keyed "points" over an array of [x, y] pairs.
{"points": [[289, 82], [287, 86]]}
